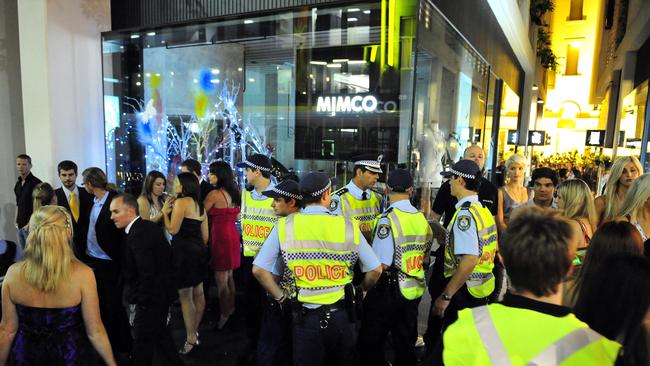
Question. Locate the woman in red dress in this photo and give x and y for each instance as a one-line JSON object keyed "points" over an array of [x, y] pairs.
{"points": [[222, 206]]}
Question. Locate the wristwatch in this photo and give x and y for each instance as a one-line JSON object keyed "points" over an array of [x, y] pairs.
{"points": [[445, 297]]}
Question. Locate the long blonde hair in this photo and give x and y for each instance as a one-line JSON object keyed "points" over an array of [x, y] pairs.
{"points": [[578, 201], [611, 188], [636, 197], [48, 253]]}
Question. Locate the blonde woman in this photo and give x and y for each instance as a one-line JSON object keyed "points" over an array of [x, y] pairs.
{"points": [[513, 194], [625, 171], [50, 310], [636, 208], [576, 204]]}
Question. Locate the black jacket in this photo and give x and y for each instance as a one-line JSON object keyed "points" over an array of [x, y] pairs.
{"points": [[24, 203], [148, 270], [81, 225], [109, 237]]}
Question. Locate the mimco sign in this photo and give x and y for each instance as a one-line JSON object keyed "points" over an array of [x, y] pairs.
{"points": [[353, 104]]}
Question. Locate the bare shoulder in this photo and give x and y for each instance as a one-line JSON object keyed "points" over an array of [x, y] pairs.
{"points": [[13, 271], [142, 201], [81, 270]]}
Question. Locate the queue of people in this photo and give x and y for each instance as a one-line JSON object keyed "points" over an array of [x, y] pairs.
{"points": [[517, 275]]}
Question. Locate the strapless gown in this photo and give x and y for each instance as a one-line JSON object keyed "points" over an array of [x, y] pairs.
{"points": [[51, 336]]}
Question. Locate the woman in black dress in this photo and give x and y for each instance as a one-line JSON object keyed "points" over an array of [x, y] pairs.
{"points": [[186, 221]]}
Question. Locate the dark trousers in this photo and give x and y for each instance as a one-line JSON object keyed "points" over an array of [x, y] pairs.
{"points": [[437, 284], [254, 297], [274, 345], [113, 313], [319, 340], [151, 336], [386, 310]]}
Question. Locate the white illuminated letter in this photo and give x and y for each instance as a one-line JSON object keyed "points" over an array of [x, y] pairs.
{"points": [[356, 103], [323, 104], [369, 103], [343, 104]]}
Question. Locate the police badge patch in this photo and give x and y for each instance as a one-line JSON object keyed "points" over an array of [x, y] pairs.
{"points": [[464, 222], [382, 231], [333, 205]]}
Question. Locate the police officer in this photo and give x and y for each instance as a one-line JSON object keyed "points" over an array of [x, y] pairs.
{"points": [[470, 248], [257, 221], [319, 249], [530, 326], [274, 345], [356, 200], [402, 240]]}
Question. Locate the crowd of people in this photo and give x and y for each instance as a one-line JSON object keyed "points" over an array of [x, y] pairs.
{"points": [[534, 272]]}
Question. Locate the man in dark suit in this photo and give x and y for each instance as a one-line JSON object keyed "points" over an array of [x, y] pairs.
{"points": [[77, 201], [148, 282], [104, 253]]}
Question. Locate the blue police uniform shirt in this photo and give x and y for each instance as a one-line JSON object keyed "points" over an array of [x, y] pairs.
{"points": [[258, 195], [93, 249], [382, 243], [464, 229], [355, 191], [269, 257]]}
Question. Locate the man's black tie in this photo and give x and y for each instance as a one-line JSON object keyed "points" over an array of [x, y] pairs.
{"points": [[364, 196]]}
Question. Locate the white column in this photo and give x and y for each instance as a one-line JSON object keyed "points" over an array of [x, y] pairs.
{"points": [[32, 26]]}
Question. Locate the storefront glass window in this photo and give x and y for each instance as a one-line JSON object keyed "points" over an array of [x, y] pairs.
{"points": [[312, 88], [633, 115], [450, 100]]}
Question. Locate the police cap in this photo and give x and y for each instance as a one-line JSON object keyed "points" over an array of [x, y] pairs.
{"points": [[399, 180], [314, 184], [287, 188], [464, 168], [369, 161], [257, 161]]}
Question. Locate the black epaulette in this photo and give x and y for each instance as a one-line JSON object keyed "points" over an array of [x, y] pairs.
{"points": [[466, 205], [249, 187], [385, 213], [340, 192]]}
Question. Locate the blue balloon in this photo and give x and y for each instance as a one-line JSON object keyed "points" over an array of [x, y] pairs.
{"points": [[205, 81]]}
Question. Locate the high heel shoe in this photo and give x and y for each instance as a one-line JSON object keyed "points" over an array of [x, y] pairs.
{"points": [[221, 323], [187, 348]]}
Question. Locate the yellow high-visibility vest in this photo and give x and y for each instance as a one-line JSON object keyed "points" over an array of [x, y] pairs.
{"points": [[257, 221], [507, 336], [320, 251], [364, 211], [412, 237], [481, 282]]}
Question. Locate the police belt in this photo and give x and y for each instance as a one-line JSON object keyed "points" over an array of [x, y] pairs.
{"points": [[332, 308]]}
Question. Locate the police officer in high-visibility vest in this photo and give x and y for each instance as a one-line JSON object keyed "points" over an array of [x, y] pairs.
{"points": [[318, 250], [257, 221], [402, 242], [470, 248], [274, 344], [357, 200], [530, 326]]}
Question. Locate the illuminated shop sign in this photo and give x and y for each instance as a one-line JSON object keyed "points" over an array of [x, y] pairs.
{"points": [[334, 104], [536, 138], [595, 138], [512, 137]]}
